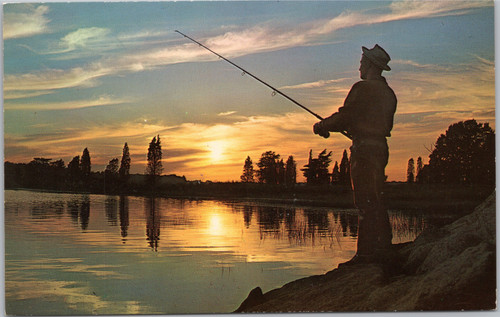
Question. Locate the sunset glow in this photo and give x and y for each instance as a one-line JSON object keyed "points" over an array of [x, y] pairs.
{"points": [[217, 149], [76, 75]]}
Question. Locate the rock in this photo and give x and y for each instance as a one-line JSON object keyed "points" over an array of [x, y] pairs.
{"points": [[254, 298], [452, 268]]}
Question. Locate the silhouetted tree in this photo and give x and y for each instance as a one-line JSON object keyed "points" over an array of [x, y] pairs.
{"points": [[57, 171], [124, 170], [323, 166], [336, 174], [420, 166], [309, 168], [410, 171], [112, 167], [74, 169], [37, 172], [268, 168], [290, 171], [248, 172], [464, 154], [85, 165], [111, 174], [154, 167], [316, 171], [344, 169], [59, 164], [281, 172]]}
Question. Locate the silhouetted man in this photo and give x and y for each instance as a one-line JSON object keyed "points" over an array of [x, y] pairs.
{"points": [[367, 116]]}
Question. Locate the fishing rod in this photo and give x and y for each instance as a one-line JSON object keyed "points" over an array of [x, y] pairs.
{"points": [[275, 90]]}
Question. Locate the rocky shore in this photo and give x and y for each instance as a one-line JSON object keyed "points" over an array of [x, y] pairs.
{"points": [[450, 268]]}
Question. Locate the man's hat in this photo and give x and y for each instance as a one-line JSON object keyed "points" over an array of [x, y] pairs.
{"points": [[378, 56]]}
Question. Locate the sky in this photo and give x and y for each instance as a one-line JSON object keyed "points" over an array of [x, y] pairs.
{"points": [[98, 74]]}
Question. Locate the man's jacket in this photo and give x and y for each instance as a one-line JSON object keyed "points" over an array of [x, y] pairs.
{"points": [[368, 111]]}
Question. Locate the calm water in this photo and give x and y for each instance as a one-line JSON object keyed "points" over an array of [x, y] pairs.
{"points": [[93, 254]]}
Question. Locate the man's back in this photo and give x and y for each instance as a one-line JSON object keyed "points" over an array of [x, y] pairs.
{"points": [[371, 105]]}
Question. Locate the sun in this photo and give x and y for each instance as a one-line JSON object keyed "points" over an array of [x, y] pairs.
{"points": [[217, 149]]}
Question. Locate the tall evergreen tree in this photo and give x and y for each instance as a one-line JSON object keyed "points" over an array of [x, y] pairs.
{"points": [[124, 170], [248, 172], [345, 169], [290, 171], [323, 166], [154, 167], [309, 169], [85, 165], [420, 166], [410, 171], [336, 174]]}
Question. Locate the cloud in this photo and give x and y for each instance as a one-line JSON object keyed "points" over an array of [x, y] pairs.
{"points": [[82, 37], [414, 64], [260, 38], [8, 95], [466, 86], [227, 113], [66, 105], [24, 20], [316, 84], [54, 79], [426, 9], [398, 10]]}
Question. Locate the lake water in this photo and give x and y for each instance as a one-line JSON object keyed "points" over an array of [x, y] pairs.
{"points": [[93, 254]]}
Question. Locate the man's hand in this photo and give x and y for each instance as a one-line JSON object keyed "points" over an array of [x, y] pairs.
{"points": [[318, 128]]}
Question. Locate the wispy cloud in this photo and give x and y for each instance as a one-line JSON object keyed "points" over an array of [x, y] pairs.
{"points": [[82, 37], [25, 20], [55, 79], [316, 84], [465, 86], [427, 9], [8, 95], [87, 42], [227, 113], [398, 10], [419, 87], [66, 105], [234, 43]]}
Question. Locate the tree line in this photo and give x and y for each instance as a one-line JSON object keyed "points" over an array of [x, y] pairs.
{"points": [[271, 169], [78, 175], [464, 154]]}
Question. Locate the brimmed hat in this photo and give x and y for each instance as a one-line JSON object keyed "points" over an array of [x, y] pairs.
{"points": [[378, 56]]}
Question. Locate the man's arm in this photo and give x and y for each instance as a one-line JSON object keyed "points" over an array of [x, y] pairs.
{"points": [[341, 120]]}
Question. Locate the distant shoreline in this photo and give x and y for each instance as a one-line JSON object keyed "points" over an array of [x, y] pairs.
{"points": [[421, 198]]}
